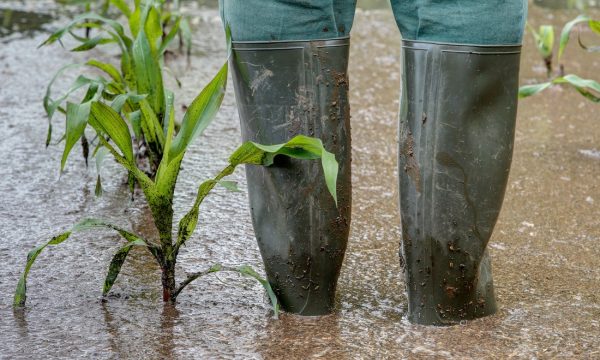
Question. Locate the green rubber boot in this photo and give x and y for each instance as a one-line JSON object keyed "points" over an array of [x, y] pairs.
{"points": [[457, 124], [286, 88]]}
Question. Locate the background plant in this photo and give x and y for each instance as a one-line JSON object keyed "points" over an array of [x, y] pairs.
{"points": [[589, 88], [132, 88]]}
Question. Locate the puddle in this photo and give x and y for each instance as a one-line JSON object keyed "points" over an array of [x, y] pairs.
{"points": [[21, 22], [544, 249]]}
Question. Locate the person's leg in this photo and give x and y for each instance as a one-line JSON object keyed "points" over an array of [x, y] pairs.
{"points": [[460, 65], [289, 68], [476, 22], [262, 20]]}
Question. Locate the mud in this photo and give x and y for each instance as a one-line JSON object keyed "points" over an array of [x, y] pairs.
{"points": [[544, 250]]}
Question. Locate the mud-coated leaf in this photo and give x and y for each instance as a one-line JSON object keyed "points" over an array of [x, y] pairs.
{"points": [[300, 147], [249, 271], [107, 121], [116, 263], [76, 121]]}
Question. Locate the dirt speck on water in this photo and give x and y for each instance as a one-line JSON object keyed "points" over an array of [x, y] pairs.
{"points": [[547, 275]]}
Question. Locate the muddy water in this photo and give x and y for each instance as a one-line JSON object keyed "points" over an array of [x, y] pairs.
{"points": [[544, 249]]}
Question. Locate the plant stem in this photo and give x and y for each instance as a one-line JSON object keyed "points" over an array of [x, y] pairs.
{"points": [[168, 281]]}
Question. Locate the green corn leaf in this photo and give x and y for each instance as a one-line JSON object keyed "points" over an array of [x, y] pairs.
{"points": [[134, 20], [153, 29], [595, 26], [122, 6], [148, 73], [249, 272], [188, 223], [170, 36], [200, 114], [76, 120], [107, 121], [108, 69], [300, 147], [151, 127], [528, 90], [585, 87], [117, 262], [86, 224], [21, 290], [92, 43], [124, 39], [120, 100], [135, 119], [47, 96], [100, 155], [566, 32], [229, 185], [546, 41], [186, 35]]}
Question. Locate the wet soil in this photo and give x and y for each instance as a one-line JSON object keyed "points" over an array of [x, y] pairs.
{"points": [[544, 249]]}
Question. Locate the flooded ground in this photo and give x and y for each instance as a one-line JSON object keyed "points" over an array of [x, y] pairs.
{"points": [[545, 247]]}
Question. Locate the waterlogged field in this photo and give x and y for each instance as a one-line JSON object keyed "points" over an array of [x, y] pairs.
{"points": [[544, 250]]}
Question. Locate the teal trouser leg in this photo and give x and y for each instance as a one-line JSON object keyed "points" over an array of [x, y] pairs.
{"points": [[264, 20], [482, 22]]}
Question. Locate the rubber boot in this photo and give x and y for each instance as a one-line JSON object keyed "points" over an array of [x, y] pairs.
{"points": [[284, 89], [457, 124]]}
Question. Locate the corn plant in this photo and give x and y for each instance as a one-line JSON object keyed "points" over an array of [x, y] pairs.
{"points": [[589, 88], [113, 132], [132, 88], [544, 42]]}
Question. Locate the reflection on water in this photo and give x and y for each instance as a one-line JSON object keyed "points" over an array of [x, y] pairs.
{"points": [[545, 246]]}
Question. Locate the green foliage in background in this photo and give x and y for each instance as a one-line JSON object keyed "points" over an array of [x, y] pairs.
{"points": [[131, 87], [589, 88]]}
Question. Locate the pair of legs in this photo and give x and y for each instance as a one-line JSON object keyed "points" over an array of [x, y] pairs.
{"points": [[449, 21], [460, 64]]}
